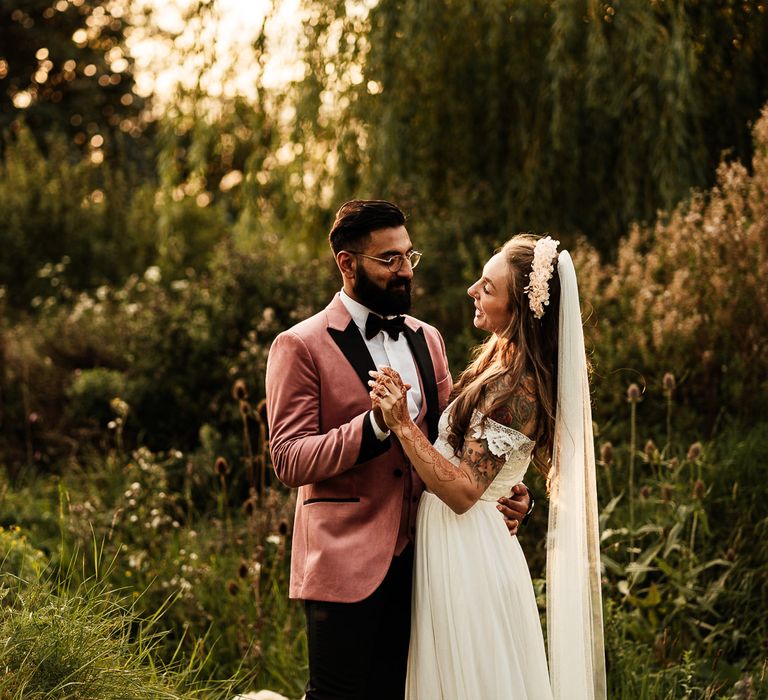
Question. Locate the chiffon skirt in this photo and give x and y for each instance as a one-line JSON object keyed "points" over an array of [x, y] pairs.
{"points": [[475, 629]]}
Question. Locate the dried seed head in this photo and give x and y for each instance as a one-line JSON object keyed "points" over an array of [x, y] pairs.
{"points": [[242, 570], [232, 587], [221, 467], [694, 452], [239, 390], [633, 393], [699, 489], [645, 492], [672, 464], [282, 528], [650, 449], [668, 382], [606, 453], [730, 554]]}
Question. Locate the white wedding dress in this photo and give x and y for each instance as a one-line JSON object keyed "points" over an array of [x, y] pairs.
{"points": [[475, 629]]}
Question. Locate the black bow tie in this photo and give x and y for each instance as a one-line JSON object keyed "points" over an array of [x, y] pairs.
{"points": [[394, 326]]}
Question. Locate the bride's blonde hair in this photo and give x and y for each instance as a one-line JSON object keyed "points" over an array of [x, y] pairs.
{"points": [[521, 359]]}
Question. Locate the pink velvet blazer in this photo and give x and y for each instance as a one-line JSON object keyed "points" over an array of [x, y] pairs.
{"points": [[350, 483]]}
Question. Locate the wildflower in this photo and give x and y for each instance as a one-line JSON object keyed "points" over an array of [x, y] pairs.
{"points": [[694, 452], [239, 390], [119, 406], [273, 539], [221, 467], [606, 453], [650, 449], [699, 489], [668, 383], [153, 274], [633, 393], [672, 464]]}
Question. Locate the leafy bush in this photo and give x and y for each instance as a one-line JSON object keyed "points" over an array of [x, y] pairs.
{"points": [[688, 296], [90, 394]]}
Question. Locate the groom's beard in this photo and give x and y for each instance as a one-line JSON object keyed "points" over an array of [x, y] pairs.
{"points": [[394, 299]]}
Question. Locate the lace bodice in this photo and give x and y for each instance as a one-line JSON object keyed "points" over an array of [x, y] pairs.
{"points": [[502, 440]]}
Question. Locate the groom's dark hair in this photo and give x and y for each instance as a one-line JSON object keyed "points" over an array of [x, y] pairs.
{"points": [[358, 218]]}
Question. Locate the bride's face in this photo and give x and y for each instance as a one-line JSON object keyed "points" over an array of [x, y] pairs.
{"points": [[491, 295]]}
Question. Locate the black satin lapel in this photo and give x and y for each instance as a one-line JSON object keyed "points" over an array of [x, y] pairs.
{"points": [[353, 346], [418, 344]]}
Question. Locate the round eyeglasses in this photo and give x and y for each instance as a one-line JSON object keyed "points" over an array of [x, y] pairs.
{"points": [[394, 263]]}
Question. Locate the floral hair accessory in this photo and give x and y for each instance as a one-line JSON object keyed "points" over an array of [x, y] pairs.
{"points": [[544, 256]]}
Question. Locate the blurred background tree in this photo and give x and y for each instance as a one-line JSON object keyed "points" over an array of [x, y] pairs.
{"points": [[65, 67]]}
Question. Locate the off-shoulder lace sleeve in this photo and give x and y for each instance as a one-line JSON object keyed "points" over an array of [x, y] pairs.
{"points": [[502, 440]]}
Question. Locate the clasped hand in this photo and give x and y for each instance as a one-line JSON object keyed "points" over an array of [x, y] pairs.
{"points": [[389, 394]]}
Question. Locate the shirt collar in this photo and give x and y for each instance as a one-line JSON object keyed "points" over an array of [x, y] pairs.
{"points": [[357, 311]]}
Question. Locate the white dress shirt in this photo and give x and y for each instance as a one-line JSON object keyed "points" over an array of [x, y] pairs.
{"points": [[387, 352]]}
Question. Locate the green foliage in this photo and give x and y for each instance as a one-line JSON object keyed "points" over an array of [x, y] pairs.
{"points": [[67, 215], [91, 392], [18, 557], [159, 532]]}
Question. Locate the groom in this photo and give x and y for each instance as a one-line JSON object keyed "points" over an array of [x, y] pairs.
{"points": [[352, 552]]}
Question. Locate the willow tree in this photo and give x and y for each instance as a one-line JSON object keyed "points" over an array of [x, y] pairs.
{"points": [[566, 116], [486, 118]]}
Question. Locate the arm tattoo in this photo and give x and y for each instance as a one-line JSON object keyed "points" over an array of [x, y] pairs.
{"points": [[517, 413], [482, 462]]}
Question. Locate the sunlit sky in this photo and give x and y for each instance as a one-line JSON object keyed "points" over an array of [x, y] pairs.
{"points": [[226, 43]]}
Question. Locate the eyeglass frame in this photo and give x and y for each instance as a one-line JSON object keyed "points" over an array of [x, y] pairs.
{"points": [[388, 261]]}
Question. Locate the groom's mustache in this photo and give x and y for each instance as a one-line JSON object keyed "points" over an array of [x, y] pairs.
{"points": [[399, 284]]}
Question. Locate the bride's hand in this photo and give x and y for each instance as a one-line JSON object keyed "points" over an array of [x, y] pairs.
{"points": [[390, 394]]}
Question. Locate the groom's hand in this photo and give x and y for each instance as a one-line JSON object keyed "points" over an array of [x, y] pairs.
{"points": [[515, 507], [378, 416]]}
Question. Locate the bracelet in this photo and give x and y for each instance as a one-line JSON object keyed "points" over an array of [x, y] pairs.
{"points": [[527, 516]]}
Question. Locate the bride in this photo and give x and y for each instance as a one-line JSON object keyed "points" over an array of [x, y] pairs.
{"points": [[475, 630]]}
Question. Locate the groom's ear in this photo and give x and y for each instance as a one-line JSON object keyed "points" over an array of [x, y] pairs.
{"points": [[346, 262]]}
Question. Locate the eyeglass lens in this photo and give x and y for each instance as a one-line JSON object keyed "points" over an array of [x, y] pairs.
{"points": [[396, 261]]}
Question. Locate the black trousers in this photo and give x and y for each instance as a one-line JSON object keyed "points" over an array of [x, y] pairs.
{"points": [[359, 651]]}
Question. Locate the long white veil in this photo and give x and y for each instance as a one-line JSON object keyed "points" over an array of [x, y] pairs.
{"points": [[574, 601]]}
